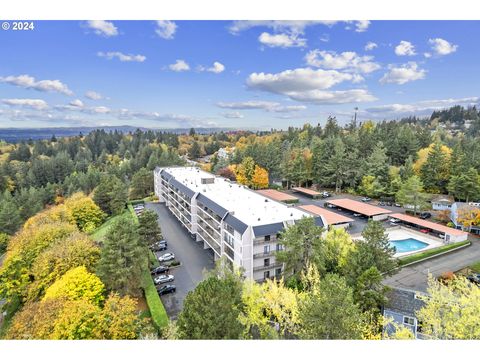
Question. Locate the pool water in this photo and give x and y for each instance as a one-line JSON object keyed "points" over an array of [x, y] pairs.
{"points": [[407, 245]]}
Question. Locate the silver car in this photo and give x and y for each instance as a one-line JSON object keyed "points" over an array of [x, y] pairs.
{"points": [[166, 257], [163, 279]]}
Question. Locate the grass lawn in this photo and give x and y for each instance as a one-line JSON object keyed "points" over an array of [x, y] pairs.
{"points": [[100, 233], [426, 254], [475, 267]]}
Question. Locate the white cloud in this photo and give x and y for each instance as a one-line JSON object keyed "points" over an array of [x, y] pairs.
{"points": [[405, 48], [122, 57], [29, 82], [36, 104], [361, 25], [77, 103], [442, 47], [270, 106], [103, 28], [332, 97], [370, 46], [292, 26], [93, 95], [349, 61], [403, 74], [166, 29], [99, 110], [325, 38], [233, 115], [179, 65], [427, 55], [282, 40], [216, 68]]}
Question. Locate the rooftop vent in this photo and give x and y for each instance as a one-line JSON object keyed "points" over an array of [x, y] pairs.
{"points": [[291, 214], [258, 219], [266, 200]]}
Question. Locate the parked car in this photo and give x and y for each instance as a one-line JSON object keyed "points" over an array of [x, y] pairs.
{"points": [[425, 231], [166, 257], [425, 215], [388, 203], [381, 203], [331, 206], [157, 244], [366, 199], [159, 270], [325, 194], [163, 279], [357, 214], [398, 205], [394, 221], [474, 278], [159, 247], [166, 289]]}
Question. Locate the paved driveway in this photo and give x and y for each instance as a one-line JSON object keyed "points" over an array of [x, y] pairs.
{"points": [[415, 277], [191, 254]]}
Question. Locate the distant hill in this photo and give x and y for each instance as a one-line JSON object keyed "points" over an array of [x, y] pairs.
{"points": [[18, 134]]}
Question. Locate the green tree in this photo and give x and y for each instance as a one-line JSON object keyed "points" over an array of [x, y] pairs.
{"points": [[376, 164], [148, 228], [3, 242], [195, 151], [303, 245], [111, 195], [217, 318], [142, 184], [411, 193], [338, 245], [465, 186], [10, 219], [435, 171], [122, 258], [371, 186], [369, 292]]}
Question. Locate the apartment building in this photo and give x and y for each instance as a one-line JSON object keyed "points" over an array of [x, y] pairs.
{"points": [[228, 218]]}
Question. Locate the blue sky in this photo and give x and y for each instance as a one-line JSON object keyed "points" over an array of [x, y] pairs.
{"points": [[233, 74]]}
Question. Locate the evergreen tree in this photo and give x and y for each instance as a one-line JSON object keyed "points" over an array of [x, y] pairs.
{"points": [[434, 172], [411, 193], [111, 195], [148, 228], [465, 186], [10, 219], [195, 151], [142, 184]]}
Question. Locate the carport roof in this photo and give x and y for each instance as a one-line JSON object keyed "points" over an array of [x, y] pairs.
{"points": [[428, 224], [359, 207], [330, 217], [306, 191], [277, 195]]}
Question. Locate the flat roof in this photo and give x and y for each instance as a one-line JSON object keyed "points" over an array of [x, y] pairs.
{"points": [[427, 224], [306, 191], [330, 217], [277, 195], [359, 207], [248, 206]]}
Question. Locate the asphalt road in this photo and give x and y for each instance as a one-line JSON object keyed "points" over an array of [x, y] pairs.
{"points": [[194, 259], [415, 276]]}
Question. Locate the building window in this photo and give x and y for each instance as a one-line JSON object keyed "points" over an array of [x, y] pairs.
{"points": [[279, 247], [266, 275], [407, 320], [278, 272], [267, 238], [266, 262], [266, 249]]}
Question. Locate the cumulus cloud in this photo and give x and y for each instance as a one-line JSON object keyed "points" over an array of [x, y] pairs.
{"points": [[93, 95], [233, 115], [349, 61], [332, 97], [36, 104], [166, 29], [122, 57], [282, 40], [442, 47], [29, 82], [403, 74], [370, 46], [77, 103], [270, 106], [292, 26], [361, 25], [103, 28], [405, 48], [216, 68], [179, 66]]}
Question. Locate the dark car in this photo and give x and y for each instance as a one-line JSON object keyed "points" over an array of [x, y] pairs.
{"points": [[381, 203], [166, 289], [425, 215], [160, 247], [474, 278], [157, 244], [159, 270]]}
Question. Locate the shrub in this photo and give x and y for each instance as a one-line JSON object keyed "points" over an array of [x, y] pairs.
{"points": [[155, 305]]}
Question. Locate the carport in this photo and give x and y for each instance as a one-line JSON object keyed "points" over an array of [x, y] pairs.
{"points": [[331, 218], [370, 211], [450, 234], [278, 195], [307, 192]]}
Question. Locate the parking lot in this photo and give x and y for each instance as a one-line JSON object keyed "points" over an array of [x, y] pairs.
{"points": [[357, 226], [193, 258]]}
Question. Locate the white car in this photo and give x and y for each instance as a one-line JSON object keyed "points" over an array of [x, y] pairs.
{"points": [[331, 206], [357, 214], [163, 279], [166, 257], [394, 221]]}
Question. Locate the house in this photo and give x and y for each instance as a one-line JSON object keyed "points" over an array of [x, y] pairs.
{"points": [[234, 222], [442, 202], [402, 307], [454, 214], [224, 153]]}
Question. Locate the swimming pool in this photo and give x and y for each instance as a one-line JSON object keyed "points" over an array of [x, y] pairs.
{"points": [[407, 245]]}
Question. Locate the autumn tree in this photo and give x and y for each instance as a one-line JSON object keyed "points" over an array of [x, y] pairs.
{"points": [[337, 248], [260, 178], [86, 214]]}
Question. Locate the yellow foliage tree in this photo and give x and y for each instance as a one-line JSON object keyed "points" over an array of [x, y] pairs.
{"points": [[422, 156], [76, 284], [260, 178], [78, 320], [86, 214]]}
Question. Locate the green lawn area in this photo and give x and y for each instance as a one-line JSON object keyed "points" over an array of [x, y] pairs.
{"points": [[99, 233], [426, 254], [475, 267]]}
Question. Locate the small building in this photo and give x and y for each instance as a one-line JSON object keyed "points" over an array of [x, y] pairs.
{"points": [[370, 211], [454, 213], [442, 202], [224, 153], [331, 218], [402, 307]]}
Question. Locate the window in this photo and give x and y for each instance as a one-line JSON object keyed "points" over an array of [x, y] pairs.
{"points": [[407, 320], [279, 247], [267, 238], [278, 272], [266, 262], [266, 249], [266, 275]]}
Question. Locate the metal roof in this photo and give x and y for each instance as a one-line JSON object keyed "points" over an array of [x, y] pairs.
{"points": [[269, 229], [235, 223], [358, 207], [212, 205], [428, 224], [277, 195], [330, 217]]}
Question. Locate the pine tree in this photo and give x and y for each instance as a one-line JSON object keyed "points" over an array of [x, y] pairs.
{"points": [[148, 228], [411, 193], [435, 171]]}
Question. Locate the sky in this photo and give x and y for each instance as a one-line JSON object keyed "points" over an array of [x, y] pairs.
{"points": [[235, 74]]}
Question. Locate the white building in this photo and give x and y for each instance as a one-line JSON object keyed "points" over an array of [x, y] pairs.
{"points": [[228, 218], [442, 202]]}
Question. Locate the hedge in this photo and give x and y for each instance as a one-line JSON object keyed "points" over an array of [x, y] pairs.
{"points": [[426, 254], [155, 305], [136, 202]]}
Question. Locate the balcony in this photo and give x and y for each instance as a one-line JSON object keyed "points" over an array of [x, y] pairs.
{"points": [[266, 267], [264, 254], [260, 241]]}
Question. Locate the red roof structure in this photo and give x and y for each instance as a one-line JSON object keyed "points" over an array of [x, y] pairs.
{"points": [[428, 224], [359, 207], [277, 195], [330, 217]]}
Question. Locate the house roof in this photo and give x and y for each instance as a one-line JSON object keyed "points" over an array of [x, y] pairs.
{"points": [[359, 207], [277, 195], [404, 301], [443, 199], [428, 224], [330, 217]]}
